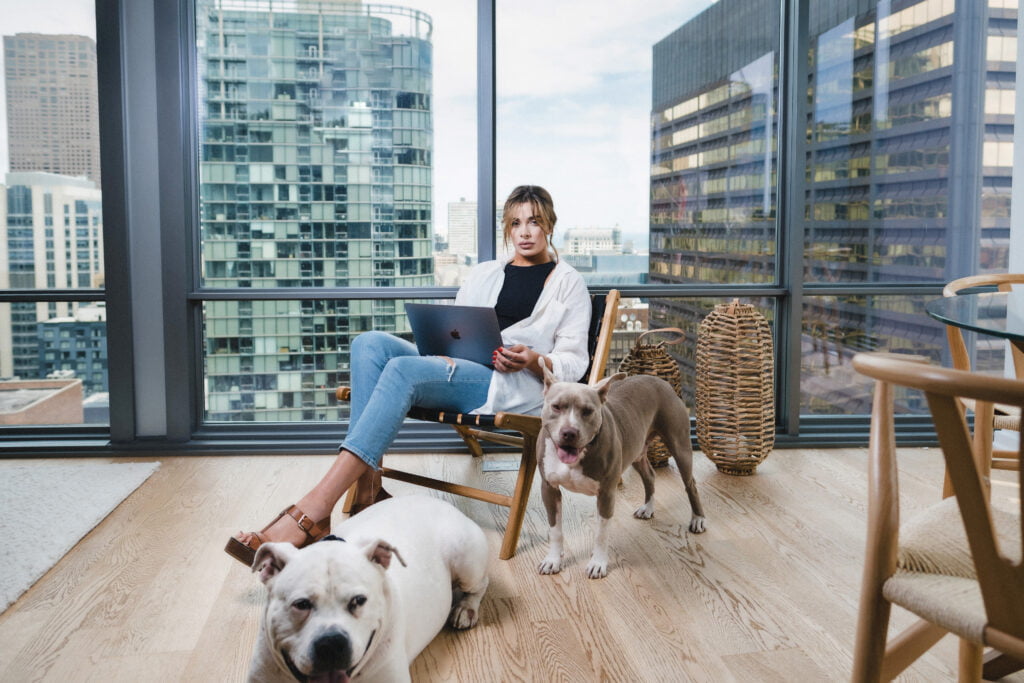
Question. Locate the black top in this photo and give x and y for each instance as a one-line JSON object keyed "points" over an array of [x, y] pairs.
{"points": [[520, 291]]}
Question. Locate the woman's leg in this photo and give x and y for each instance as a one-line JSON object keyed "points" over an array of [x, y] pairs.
{"points": [[397, 379]]}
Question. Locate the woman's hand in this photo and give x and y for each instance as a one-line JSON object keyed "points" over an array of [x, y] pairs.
{"points": [[516, 358]]}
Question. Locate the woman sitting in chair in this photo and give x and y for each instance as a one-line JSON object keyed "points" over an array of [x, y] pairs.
{"points": [[543, 308]]}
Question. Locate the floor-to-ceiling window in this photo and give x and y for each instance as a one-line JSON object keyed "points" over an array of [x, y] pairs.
{"points": [[294, 171], [336, 153], [53, 334]]}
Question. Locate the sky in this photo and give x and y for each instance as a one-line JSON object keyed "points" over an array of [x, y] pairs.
{"points": [[574, 97]]}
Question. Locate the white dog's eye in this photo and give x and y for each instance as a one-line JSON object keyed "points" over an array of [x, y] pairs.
{"points": [[587, 412], [356, 602], [556, 407], [303, 604]]}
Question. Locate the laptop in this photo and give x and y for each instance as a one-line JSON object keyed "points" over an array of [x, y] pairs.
{"points": [[468, 332]]}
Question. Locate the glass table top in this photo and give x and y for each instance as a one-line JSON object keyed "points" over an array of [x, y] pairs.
{"points": [[983, 312]]}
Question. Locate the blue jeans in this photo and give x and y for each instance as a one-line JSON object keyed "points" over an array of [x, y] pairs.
{"points": [[389, 376]]}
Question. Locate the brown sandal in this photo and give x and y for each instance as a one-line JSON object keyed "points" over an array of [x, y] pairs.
{"points": [[359, 507], [245, 552]]}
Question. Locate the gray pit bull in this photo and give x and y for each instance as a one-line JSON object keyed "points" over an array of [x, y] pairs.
{"points": [[590, 435]]}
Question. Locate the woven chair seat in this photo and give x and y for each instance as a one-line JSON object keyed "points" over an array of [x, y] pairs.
{"points": [[1007, 422], [935, 576]]}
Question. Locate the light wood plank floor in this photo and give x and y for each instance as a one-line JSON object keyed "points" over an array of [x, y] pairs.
{"points": [[769, 593]]}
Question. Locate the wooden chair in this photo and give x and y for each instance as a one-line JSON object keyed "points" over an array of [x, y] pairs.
{"points": [[969, 584], [525, 428], [987, 416]]}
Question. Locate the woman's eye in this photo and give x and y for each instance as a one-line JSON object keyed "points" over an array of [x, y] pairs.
{"points": [[303, 604]]}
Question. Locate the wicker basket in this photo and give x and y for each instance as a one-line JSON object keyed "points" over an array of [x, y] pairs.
{"points": [[735, 388], [653, 359]]}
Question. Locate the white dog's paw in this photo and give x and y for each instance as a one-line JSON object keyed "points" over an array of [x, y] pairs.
{"points": [[463, 617], [645, 511], [597, 568], [552, 564], [698, 524]]}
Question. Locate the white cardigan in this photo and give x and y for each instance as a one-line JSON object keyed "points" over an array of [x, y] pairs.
{"points": [[557, 329]]}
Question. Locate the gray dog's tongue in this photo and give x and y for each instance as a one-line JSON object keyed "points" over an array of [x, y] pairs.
{"points": [[568, 454]]}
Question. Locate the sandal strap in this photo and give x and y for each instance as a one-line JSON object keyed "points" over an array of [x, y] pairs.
{"points": [[312, 529]]}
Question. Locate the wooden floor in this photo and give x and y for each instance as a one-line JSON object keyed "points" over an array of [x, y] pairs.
{"points": [[768, 593]]}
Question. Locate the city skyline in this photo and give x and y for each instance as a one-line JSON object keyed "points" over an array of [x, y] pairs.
{"points": [[580, 98]]}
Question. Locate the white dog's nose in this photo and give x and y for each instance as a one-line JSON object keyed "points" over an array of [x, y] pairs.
{"points": [[332, 651]]}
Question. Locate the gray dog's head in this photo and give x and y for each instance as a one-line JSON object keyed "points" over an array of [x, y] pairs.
{"points": [[325, 603], [572, 415]]}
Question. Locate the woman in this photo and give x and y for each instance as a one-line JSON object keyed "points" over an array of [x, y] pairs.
{"points": [[544, 311]]}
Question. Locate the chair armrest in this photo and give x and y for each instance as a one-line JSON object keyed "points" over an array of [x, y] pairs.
{"points": [[525, 424]]}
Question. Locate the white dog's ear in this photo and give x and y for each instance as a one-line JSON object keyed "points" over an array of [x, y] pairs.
{"points": [[379, 552], [602, 386], [549, 377], [271, 558]]}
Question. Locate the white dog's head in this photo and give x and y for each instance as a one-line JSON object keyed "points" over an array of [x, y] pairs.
{"points": [[325, 604], [572, 414]]}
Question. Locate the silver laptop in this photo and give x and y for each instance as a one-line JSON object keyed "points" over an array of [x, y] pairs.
{"points": [[468, 332]]}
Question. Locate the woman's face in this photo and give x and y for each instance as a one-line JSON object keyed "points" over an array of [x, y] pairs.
{"points": [[528, 237]]}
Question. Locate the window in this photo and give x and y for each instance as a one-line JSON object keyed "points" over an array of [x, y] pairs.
{"points": [[319, 130], [53, 167]]}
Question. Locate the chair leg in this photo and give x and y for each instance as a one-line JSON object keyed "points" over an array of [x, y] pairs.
{"points": [[872, 627], [472, 443], [908, 646], [971, 660], [350, 497], [520, 497]]}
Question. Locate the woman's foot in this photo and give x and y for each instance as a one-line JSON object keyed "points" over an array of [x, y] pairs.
{"points": [[294, 525], [370, 491], [378, 497]]}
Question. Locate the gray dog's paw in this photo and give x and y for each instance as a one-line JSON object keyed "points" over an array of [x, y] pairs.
{"points": [[645, 511], [550, 565], [698, 524]]}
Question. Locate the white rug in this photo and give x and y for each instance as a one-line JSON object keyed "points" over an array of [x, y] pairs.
{"points": [[46, 508]]}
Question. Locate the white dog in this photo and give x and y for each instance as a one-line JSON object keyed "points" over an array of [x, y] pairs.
{"points": [[343, 609]]}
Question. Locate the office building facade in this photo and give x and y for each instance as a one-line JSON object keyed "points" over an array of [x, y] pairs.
{"points": [[52, 106], [907, 167], [462, 227], [316, 171], [52, 239]]}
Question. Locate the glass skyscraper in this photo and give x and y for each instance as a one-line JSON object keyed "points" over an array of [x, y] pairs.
{"points": [[315, 171], [908, 159]]}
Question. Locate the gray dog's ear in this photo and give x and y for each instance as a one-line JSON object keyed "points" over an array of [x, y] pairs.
{"points": [[379, 552], [602, 386], [549, 377], [271, 558]]}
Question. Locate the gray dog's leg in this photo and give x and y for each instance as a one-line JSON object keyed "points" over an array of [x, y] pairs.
{"points": [[597, 568], [643, 467], [679, 446], [552, 497]]}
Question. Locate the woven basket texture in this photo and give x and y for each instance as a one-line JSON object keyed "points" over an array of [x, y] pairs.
{"points": [[653, 359], [735, 388]]}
